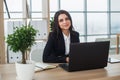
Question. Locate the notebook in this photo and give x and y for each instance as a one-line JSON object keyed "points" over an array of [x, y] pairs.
{"points": [[39, 66], [85, 56]]}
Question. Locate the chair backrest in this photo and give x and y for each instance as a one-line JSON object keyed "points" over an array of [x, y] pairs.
{"points": [[36, 55], [36, 52]]}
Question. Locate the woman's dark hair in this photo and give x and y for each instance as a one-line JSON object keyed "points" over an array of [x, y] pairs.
{"points": [[56, 27]]}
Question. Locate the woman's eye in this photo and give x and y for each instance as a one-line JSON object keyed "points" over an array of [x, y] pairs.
{"points": [[66, 18], [61, 20]]}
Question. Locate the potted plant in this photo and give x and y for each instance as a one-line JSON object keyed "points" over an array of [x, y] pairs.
{"points": [[51, 24], [21, 40]]}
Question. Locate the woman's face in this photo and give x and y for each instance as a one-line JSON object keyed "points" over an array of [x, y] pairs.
{"points": [[64, 22]]}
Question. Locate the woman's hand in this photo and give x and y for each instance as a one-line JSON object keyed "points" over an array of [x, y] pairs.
{"points": [[67, 59]]}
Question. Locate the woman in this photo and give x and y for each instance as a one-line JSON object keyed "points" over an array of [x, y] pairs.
{"points": [[57, 47]]}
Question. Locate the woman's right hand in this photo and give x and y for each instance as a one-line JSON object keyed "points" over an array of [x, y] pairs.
{"points": [[67, 59]]}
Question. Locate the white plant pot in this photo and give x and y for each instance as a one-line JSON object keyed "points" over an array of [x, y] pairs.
{"points": [[25, 71]]}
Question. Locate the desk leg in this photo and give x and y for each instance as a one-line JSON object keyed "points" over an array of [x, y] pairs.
{"points": [[117, 49]]}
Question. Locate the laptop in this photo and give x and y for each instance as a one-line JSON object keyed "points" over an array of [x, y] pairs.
{"points": [[86, 56]]}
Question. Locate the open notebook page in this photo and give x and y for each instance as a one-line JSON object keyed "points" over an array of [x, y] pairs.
{"points": [[43, 66]]}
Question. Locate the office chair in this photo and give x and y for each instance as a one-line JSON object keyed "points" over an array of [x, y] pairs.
{"points": [[36, 55]]}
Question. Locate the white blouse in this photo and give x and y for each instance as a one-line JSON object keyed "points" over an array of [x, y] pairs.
{"points": [[67, 43]]}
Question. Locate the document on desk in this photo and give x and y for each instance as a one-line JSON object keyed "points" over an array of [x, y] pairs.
{"points": [[39, 66], [113, 60], [0, 77]]}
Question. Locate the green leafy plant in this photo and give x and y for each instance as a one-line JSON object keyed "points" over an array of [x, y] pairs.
{"points": [[21, 40], [51, 23]]}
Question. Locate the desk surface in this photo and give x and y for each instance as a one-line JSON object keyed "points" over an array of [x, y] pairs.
{"points": [[109, 78], [8, 72]]}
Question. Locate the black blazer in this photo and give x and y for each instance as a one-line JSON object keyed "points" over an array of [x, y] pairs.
{"points": [[54, 51]]}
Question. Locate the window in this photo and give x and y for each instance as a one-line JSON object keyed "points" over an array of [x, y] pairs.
{"points": [[97, 5], [97, 23]]}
